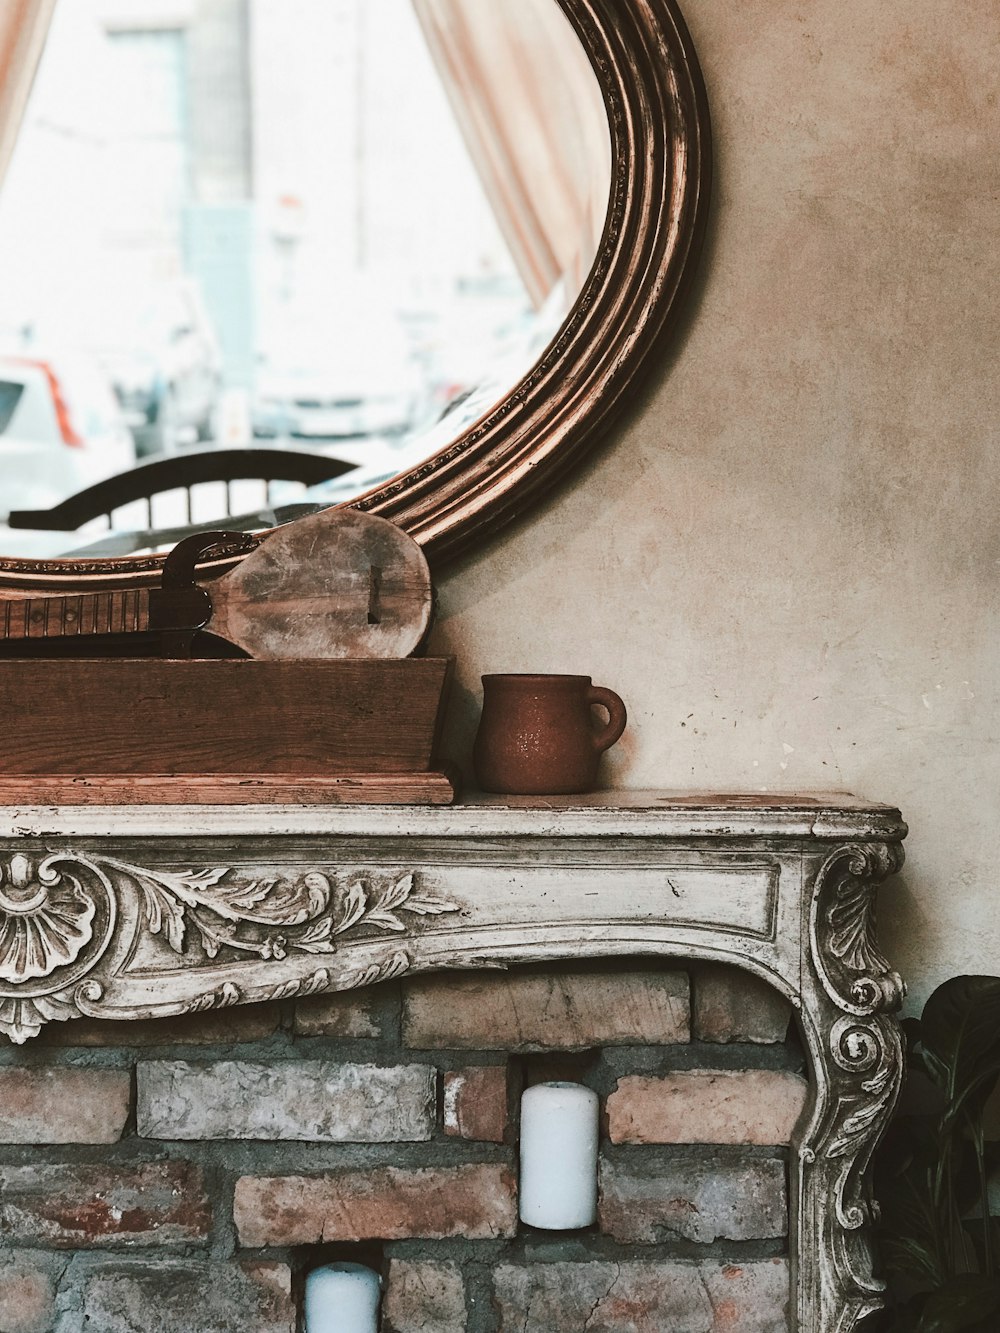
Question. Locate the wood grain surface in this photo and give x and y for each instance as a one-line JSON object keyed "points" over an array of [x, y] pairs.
{"points": [[146, 716], [339, 584], [115, 789]]}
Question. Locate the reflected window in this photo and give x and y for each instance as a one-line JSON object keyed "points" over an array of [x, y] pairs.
{"points": [[345, 226]]}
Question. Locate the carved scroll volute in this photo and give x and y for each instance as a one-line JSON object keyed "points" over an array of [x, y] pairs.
{"points": [[856, 992]]}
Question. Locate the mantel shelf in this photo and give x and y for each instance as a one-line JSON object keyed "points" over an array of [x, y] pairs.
{"points": [[144, 911], [598, 814]]}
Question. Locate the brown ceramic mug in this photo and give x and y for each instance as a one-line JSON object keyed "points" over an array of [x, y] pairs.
{"points": [[536, 735]]}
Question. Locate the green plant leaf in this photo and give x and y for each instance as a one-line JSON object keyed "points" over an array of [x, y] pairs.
{"points": [[964, 1174], [910, 1229], [929, 1173], [960, 1304], [910, 1142], [960, 1032], [906, 1316], [911, 1032]]}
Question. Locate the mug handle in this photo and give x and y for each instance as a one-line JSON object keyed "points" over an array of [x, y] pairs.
{"points": [[617, 716]]}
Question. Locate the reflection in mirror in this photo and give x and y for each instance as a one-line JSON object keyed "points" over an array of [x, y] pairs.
{"points": [[326, 228]]}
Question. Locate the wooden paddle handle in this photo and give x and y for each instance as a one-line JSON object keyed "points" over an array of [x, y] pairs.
{"points": [[82, 613]]}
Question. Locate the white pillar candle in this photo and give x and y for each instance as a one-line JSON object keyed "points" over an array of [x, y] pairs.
{"points": [[559, 1156], [342, 1298]]}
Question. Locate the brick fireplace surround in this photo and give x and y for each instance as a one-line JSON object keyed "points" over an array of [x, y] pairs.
{"points": [[182, 1173]]}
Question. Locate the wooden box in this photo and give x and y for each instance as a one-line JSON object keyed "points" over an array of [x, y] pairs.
{"points": [[116, 731]]}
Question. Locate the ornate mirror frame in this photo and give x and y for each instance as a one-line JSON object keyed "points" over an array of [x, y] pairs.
{"points": [[645, 62]]}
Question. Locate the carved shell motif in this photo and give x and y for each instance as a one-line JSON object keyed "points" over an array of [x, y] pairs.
{"points": [[45, 919]]}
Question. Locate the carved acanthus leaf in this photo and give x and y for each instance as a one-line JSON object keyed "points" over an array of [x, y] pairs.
{"points": [[861, 1064], [394, 966], [852, 933], [869, 1053], [854, 972], [862, 1049], [223, 998], [23, 1018], [49, 942], [312, 985], [360, 908], [218, 905]]}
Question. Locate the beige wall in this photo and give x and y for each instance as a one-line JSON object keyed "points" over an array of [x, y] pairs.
{"points": [[786, 558]]}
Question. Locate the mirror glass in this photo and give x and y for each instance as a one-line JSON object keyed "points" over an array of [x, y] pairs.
{"points": [[343, 229]]}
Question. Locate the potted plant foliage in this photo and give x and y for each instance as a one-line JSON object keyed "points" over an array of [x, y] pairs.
{"points": [[940, 1246]]}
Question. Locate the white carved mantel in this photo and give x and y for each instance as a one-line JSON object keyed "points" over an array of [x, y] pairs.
{"points": [[134, 912]]}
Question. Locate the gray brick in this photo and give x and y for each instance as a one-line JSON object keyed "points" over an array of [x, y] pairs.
{"points": [[698, 1201], [182, 1298], [313, 1101], [422, 1295], [644, 1297], [731, 1005], [28, 1283]]}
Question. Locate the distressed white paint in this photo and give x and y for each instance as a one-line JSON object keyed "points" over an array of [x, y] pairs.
{"points": [[179, 910]]}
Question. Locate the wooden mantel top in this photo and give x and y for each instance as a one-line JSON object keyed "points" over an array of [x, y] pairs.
{"points": [[647, 813]]}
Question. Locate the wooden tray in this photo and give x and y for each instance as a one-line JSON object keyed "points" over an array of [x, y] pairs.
{"points": [[226, 731]]}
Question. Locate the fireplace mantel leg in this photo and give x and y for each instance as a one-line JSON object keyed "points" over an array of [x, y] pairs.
{"points": [[849, 995]]}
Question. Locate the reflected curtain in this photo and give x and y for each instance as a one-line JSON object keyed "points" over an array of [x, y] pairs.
{"points": [[23, 27], [532, 116]]}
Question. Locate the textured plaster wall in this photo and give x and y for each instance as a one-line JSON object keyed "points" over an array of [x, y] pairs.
{"points": [[786, 557]]}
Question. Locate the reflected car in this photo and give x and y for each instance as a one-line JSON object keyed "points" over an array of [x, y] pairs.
{"points": [[356, 381], [163, 357], [61, 429]]}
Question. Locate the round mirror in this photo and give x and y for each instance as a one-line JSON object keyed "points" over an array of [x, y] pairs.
{"points": [[406, 256]]}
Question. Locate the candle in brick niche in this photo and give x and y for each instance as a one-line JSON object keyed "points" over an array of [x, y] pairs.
{"points": [[559, 1132], [342, 1298]]}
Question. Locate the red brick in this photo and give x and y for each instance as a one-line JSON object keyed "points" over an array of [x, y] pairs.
{"points": [[535, 1012], [28, 1284], [728, 1004], [392, 1203], [642, 1202], [63, 1105], [475, 1103], [218, 1027], [644, 1297], [77, 1207], [347, 1014], [422, 1296], [759, 1106], [186, 1297], [315, 1101]]}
